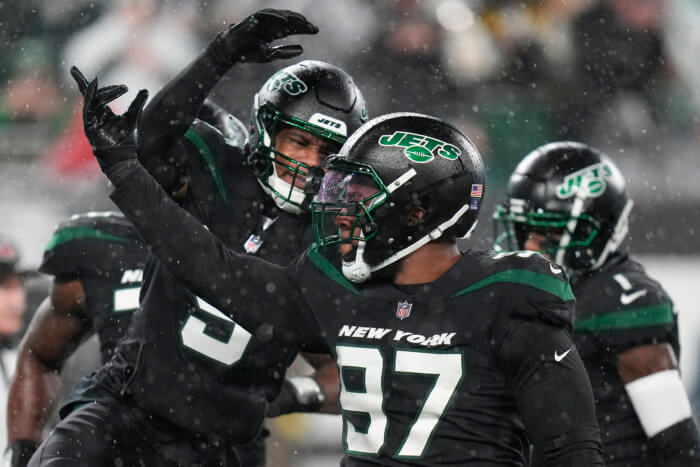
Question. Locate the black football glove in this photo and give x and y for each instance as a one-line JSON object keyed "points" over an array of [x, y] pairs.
{"points": [[18, 452], [112, 137], [249, 40]]}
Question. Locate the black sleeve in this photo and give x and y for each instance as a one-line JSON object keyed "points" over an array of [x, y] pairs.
{"points": [[553, 393], [257, 294], [172, 110], [677, 445]]}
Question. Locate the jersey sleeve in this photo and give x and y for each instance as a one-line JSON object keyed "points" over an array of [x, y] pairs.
{"points": [[552, 392], [78, 244], [257, 294], [620, 319], [210, 160], [532, 287], [174, 107], [201, 156]]}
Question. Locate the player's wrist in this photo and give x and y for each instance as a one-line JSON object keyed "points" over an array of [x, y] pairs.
{"points": [[298, 394], [308, 393], [677, 444], [222, 52], [19, 451], [108, 156]]}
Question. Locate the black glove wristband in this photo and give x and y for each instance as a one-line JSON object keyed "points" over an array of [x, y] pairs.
{"points": [[109, 156], [220, 59], [19, 451]]}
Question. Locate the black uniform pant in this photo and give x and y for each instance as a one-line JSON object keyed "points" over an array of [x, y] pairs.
{"points": [[111, 433]]}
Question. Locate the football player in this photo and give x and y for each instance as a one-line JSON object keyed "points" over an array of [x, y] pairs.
{"points": [[445, 358], [97, 261], [191, 380], [568, 201]]}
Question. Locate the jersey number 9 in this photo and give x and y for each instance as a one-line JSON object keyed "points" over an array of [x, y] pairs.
{"points": [[446, 367], [225, 351]]}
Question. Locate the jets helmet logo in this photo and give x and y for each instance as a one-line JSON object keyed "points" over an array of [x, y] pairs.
{"points": [[588, 182], [420, 148], [329, 123], [288, 82]]}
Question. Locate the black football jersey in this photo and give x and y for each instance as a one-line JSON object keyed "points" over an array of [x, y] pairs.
{"points": [[422, 367], [104, 251], [194, 366], [619, 307], [453, 372]]}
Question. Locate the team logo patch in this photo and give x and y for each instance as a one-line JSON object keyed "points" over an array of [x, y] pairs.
{"points": [[590, 181], [288, 82], [253, 244], [403, 310], [474, 204], [329, 123], [477, 190], [420, 148]]}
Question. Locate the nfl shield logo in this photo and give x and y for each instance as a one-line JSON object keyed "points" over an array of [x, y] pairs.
{"points": [[252, 245], [403, 310]]}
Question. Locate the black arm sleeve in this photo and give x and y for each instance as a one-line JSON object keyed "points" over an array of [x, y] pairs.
{"points": [[170, 113], [173, 109], [255, 293], [553, 393], [677, 445]]}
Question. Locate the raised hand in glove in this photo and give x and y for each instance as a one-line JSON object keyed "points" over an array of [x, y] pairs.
{"points": [[249, 40], [112, 137]]}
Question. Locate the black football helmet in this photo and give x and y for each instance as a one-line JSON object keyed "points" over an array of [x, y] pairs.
{"points": [[572, 194], [314, 96], [390, 166]]}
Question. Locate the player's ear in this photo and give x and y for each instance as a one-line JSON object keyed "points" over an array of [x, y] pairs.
{"points": [[416, 215]]}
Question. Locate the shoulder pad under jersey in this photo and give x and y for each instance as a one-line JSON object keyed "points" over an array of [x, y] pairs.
{"points": [[621, 297], [524, 282], [82, 244]]}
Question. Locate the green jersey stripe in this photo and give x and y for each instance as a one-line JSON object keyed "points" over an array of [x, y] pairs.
{"points": [[331, 271], [209, 159], [544, 282], [78, 233], [653, 315]]}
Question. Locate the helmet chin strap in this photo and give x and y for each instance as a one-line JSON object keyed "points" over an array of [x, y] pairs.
{"points": [[574, 213], [470, 231], [618, 235], [359, 271]]}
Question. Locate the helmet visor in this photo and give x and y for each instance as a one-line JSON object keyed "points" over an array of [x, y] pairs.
{"points": [[342, 212]]}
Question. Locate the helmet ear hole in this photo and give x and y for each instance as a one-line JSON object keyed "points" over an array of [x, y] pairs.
{"points": [[416, 215]]}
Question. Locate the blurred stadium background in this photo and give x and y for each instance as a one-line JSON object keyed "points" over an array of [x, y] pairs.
{"points": [[622, 75]]}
